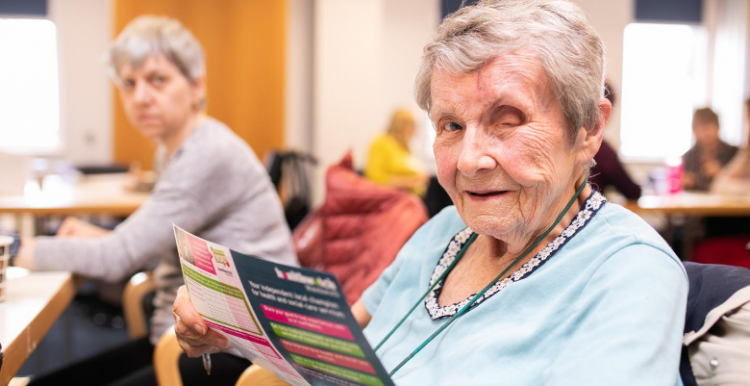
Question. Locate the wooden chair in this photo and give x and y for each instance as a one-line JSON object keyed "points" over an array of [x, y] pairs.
{"points": [[166, 365], [140, 285], [166, 360], [167, 351], [256, 376]]}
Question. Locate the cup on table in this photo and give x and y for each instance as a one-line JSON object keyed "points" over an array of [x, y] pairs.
{"points": [[5, 242]]}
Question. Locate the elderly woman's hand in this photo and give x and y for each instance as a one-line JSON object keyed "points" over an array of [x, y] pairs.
{"points": [[192, 333]]}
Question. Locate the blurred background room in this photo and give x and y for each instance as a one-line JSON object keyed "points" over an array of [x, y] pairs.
{"points": [[305, 82]]}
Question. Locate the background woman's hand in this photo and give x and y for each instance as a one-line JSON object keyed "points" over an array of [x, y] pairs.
{"points": [[688, 180], [193, 334], [711, 168], [74, 227]]}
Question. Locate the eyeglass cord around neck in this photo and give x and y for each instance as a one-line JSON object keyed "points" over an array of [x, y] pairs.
{"points": [[479, 294]]}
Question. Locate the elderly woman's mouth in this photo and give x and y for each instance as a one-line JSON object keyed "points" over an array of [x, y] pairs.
{"points": [[486, 194]]}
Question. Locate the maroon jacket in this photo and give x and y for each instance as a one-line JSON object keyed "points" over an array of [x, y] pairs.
{"points": [[359, 229], [609, 171]]}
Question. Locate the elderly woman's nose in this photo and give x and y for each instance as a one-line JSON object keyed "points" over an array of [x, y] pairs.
{"points": [[474, 154]]}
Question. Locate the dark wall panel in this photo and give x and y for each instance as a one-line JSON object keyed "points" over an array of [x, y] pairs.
{"points": [[677, 11], [449, 6], [23, 7]]}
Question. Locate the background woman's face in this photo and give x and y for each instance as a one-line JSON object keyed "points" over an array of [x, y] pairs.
{"points": [[706, 133], [157, 98], [502, 148]]}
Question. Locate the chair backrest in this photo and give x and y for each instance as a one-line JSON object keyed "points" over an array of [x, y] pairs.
{"points": [[717, 325], [359, 229], [289, 174]]}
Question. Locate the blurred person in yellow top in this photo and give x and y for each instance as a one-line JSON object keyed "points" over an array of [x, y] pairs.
{"points": [[390, 161]]}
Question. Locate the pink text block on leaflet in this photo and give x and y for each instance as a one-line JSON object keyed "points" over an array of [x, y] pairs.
{"points": [[201, 255], [309, 323]]}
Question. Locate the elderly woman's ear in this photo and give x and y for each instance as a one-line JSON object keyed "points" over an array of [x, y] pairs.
{"points": [[589, 141]]}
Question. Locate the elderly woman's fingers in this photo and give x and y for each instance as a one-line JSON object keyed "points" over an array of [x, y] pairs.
{"points": [[213, 340], [197, 350], [188, 323]]}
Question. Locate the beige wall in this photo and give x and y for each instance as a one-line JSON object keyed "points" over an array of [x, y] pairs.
{"points": [[347, 98], [83, 34], [299, 76], [366, 53], [609, 18]]}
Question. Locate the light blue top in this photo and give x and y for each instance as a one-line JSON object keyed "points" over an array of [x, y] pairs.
{"points": [[603, 304]]}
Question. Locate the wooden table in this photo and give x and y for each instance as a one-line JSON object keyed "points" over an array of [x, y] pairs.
{"points": [[693, 204], [96, 194], [33, 302]]}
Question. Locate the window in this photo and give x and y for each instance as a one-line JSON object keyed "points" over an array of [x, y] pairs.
{"points": [[29, 96], [664, 80]]}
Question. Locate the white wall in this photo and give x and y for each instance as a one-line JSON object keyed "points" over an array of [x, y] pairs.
{"points": [[299, 76], [84, 29], [609, 18], [347, 96], [366, 54], [727, 22]]}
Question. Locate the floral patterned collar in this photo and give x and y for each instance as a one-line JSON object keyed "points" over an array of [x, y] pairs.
{"points": [[591, 206]]}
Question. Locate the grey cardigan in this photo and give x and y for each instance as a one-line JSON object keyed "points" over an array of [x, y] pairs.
{"points": [[214, 187]]}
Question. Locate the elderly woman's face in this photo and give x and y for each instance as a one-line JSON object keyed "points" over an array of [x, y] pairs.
{"points": [[503, 152], [157, 98]]}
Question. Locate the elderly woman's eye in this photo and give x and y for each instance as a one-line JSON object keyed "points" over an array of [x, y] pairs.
{"points": [[128, 84], [158, 80], [510, 116], [451, 126]]}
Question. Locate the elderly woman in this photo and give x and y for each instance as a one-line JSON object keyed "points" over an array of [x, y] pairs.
{"points": [[532, 278], [210, 183]]}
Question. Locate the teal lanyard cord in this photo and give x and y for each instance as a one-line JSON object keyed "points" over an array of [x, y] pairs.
{"points": [[479, 294], [439, 279]]}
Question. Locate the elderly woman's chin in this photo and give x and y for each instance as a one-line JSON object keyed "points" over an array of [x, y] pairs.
{"points": [[493, 221]]}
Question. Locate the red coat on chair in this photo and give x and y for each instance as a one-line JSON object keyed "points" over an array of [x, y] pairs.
{"points": [[359, 229]]}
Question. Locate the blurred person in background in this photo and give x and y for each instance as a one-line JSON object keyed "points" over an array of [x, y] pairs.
{"points": [[210, 183], [709, 154], [735, 177], [608, 170], [390, 162]]}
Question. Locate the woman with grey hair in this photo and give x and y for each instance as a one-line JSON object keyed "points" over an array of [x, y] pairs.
{"points": [[532, 278], [210, 183]]}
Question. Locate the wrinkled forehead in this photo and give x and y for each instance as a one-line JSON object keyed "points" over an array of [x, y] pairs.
{"points": [[517, 76]]}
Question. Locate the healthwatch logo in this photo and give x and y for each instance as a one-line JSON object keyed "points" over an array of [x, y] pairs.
{"points": [[304, 279], [219, 257]]}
